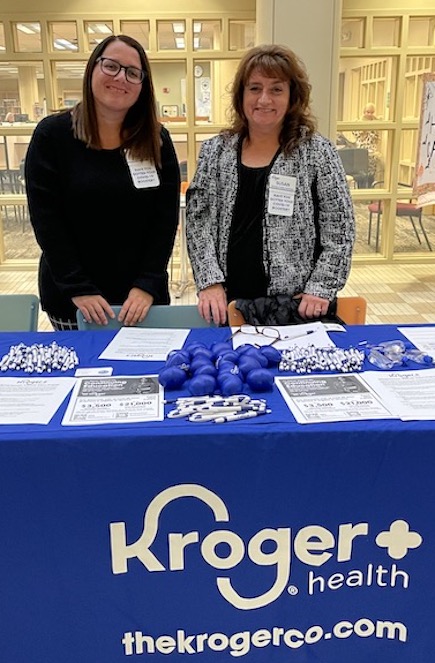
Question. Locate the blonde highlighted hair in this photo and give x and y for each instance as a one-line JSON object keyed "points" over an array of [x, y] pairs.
{"points": [[275, 61]]}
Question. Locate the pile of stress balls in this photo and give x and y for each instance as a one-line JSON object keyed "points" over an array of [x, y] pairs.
{"points": [[206, 370]]}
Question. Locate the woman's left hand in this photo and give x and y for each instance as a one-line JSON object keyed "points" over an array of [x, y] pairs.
{"points": [[311, 306], [135, 307]]}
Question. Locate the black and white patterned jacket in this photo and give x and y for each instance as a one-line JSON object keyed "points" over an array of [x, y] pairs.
{"points": [[308, 252]]}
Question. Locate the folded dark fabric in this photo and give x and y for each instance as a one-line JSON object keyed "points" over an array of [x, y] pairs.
{"points": [[279, 310]]}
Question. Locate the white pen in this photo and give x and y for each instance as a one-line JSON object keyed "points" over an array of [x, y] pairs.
{"points": [[290, 338], [216, 411], [237, 398], [235, 417], [200, 416]]}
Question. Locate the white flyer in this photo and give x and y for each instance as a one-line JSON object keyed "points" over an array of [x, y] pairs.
{"points": [[301, 336], [143, 344], [115, 400], [409, 394], [320, 398], [32, 400], [422, 337]]}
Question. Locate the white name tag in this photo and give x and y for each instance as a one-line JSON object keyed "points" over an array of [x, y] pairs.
{"points": [[143, 173], [281, 194]]}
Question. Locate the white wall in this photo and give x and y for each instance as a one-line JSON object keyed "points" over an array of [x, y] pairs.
{"points": [[311, 29]]}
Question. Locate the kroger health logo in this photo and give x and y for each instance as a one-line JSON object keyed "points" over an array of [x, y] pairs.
{"points": [[311, 545]]}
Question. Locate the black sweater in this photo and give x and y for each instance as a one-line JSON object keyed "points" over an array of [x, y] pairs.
{"points": [[98, 233]]}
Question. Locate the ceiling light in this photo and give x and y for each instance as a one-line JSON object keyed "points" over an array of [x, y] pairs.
{"points": [[100, 28], [64, 44], [179, 42], [197, 27], [178, 27], [29, 28], [196, 42]]}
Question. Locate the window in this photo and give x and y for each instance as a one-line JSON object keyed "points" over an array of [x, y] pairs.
{"points": [[192, 57], [368, 80], [242, 35], [63, 36], [139, 30], [96, 32], [27, 37]]}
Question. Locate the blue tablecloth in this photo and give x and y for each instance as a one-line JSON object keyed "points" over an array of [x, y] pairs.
{"points": [[261, 539]]}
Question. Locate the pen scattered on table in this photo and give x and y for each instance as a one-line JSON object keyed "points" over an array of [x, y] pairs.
{"points": [[217, 409], [312, 359], [39, 358]]}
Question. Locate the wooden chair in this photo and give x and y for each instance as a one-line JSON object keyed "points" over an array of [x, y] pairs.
{"points": [[19, 312], [403, 209], [352, 310], [166, 317]]}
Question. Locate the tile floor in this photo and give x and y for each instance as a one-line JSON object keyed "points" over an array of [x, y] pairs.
{"points": [[395, 294]]}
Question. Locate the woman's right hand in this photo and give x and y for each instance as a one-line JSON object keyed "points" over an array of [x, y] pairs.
{"points": [[94, 308], [212, 304]]}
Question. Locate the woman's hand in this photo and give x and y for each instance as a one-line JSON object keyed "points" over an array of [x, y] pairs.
{"points": [[94, 308], [135, 307], [212, 304], [311, 306]]}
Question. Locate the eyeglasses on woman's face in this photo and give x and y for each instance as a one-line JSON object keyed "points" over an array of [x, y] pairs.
{"points": [[113, 67]]}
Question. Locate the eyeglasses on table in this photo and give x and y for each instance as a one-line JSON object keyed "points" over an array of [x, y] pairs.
{"points": [[270, 333], [267, 332]]}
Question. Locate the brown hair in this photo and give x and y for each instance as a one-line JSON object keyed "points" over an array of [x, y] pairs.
{"points": [[140, 132], [279, 62]]}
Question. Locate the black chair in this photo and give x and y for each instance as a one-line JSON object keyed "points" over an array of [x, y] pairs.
{"points": [[183, 171], [403, 209], [356, 164], [352, 310]]}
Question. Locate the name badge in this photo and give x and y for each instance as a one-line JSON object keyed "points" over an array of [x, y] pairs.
{"points": [[282, 190], [143, 173]]}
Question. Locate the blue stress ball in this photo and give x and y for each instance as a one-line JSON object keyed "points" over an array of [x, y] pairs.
{"points": [[199, 360], [259, 380], [247, 364], [203, 352], [259, 356], [272, 355], [230, 385], [227, 367], [243, 348], [172, 377], [196, 344], [177, 357], [204, 369], [220, 347], [202, 385], [228, 355]]}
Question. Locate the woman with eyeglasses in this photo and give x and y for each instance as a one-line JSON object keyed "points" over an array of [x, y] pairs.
{"points": [[103, 188], [269, 214]]}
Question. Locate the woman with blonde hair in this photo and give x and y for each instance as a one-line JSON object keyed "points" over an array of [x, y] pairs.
{"points": [[370, 140]]}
